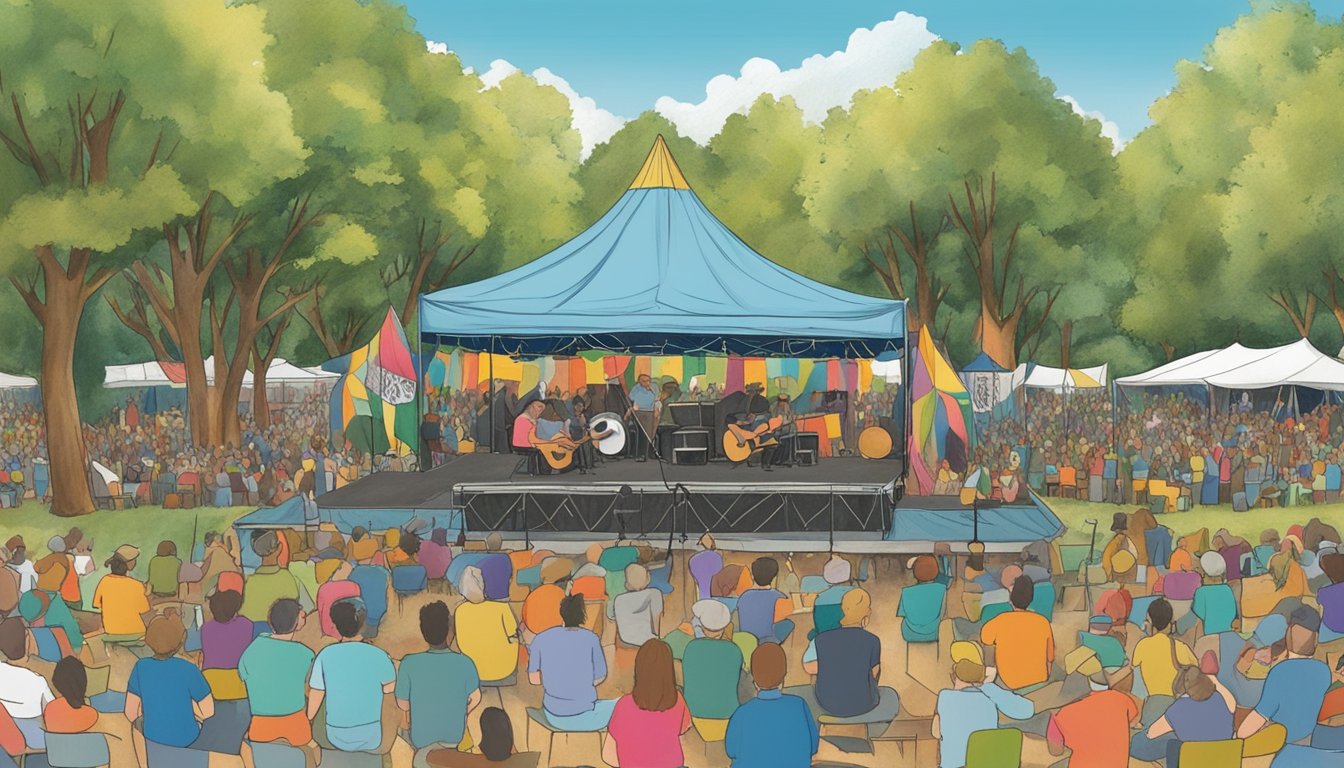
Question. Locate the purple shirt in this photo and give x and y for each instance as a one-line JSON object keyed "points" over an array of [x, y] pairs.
{"points": [[1232, 557], [1207, 720], [222, 644], [570, 662], [1331, 600], [756, 612], [497, 571], [704, 565], [435, 558], [1180, 585]]}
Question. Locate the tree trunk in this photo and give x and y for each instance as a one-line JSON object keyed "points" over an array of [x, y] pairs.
{"points": [[1065, 343], [998, 338], [65, 299], [261, 403], [1169, 350]]}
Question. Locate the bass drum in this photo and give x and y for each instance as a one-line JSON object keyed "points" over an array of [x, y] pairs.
{"points": [[875, 443], [614, 443]]}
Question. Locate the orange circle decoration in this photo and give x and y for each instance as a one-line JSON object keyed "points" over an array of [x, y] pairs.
{"points": [[874, 443]]}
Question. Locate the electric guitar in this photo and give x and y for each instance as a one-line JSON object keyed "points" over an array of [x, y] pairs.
{"points": [[559, 452], [740, 444]]}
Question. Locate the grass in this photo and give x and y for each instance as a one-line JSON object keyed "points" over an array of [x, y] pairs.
{"points": [[1247, 525], [142, 526]]}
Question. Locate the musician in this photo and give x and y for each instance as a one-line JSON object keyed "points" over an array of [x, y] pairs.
{"points": [[750, 422], [644, 406], [782, 413], [504, 409], [670, 393], [578, 427]]}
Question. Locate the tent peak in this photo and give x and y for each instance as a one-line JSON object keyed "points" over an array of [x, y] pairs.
{"points": [[659, 171]]}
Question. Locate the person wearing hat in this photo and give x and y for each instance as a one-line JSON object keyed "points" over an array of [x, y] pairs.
{"points": [[921, 604], [1095, 728], [1022, 642], [123, 599], [1296, 686], [838, 574], [541, 608], [712, 666], [973, 703], [1214, 604], [42, 605]]}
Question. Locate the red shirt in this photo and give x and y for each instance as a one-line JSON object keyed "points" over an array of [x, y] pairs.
{"points": [[649, 739], [1096, 728], [327, 595]]}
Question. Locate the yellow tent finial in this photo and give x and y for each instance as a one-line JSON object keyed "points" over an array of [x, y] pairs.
{"points": [[659, 170]]}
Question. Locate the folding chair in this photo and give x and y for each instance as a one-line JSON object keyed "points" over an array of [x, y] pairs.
{"points": [[408, 580], [272, 755], [1212, 754], [78, 750], [538, 715], [994, 748]]}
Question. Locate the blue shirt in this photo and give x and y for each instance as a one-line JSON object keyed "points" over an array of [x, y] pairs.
{"points": [[922, 608], [643, 397], [963, 712], [772, 731], [437, 686], [1293, 694], [167, 688], [570, 662], [372, 581], [756, 611], [353, 675]]}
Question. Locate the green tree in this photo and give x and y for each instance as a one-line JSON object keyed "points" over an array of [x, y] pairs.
{"points": [[105, 141], [1177, 175]]}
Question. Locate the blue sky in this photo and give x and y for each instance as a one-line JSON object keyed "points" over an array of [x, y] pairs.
{"points": [[1112, 57]]}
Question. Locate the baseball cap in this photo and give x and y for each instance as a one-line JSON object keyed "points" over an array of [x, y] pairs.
{"points": [[713, 615]]}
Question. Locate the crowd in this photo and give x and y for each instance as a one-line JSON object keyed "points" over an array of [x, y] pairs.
{"points": [[1163, 648], [1169, 452], [149, 456]]}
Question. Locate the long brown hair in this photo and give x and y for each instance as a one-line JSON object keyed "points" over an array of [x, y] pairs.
{"points": [[655, 679]]}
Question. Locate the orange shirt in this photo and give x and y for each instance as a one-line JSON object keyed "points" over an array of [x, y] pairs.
{"points": [[70, 587], [1096, 728], [60, 717], [122, 600], [1333, 704], [1024, 647], [541, 609], [591, 587], [1181, 560]]}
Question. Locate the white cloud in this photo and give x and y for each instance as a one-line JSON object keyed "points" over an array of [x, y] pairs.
{"points": [[872, 58], [499, 69], [1109, 129], [594, 124], [436, 47]]}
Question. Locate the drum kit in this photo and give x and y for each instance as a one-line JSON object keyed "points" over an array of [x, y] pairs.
{"points": [[613, 427]]}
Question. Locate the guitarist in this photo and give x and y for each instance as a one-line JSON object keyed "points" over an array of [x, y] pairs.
{"points": [[754, 432]]}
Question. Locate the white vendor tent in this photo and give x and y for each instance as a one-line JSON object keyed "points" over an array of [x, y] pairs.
{"points": [[137, 376], [1298, 364], [1035, 376], [155, 374], [283, 372], [8, 381]]}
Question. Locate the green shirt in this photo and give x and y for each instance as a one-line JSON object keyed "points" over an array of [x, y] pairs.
{"points": [[614, 560], [437, 684], [711, 668], [268, 584], [276, 673], [1216, 606], [163, 573]]}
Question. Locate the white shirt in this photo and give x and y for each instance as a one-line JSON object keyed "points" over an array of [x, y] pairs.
{"points": [[27, 575], [23, 692]]}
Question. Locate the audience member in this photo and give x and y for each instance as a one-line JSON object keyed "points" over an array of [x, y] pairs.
{"points": [[275, 669], [23, 692], [487, 631], [70, 712], [1022, 642], [774, 729], [437, 688], [646, 724], [167, 697], [764, 610], [568, 663], [1096, 727], [349, 680], [122, 598], [973, 703]]}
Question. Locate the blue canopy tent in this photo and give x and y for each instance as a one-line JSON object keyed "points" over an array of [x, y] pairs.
{"points": [[659, 275]]}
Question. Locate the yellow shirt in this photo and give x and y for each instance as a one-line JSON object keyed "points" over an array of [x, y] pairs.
{"points": [[1152, 657], [485, 634], [122, 600]]}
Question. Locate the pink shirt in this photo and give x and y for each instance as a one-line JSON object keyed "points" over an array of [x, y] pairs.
{"points": [[649, 739], [329, 593], [522, 428]]}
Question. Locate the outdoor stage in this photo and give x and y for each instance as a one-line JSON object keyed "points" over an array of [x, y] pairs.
{"points": [[842, 504]]}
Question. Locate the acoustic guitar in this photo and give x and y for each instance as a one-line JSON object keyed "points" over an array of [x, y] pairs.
{"points": [[740, 444], [559, 455]]}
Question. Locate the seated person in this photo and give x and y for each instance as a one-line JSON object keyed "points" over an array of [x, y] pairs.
{"points": [[711, 668], [1202, 711], [496, 748], [1295, 687], [541, 608], [973, 703], [847, 662], [568, 663], [25, 693], [638, 610], [1097, 726], [406, 551], [43, 606], [764, 610], [1098, 636], [351, 677], [826, 609], [705, 564], [1215, 605], [224, 637], [774, 729], [337, 587], [921, 604], [270, 582], [646, 724], [437, 688], [1022, 642], [496, 568], [375, 592], [362, 545], [167, 697], [1156, 656], [436, 555], [487, 632], [164, 568], [275, 670], [122, 598], [71, 712]]}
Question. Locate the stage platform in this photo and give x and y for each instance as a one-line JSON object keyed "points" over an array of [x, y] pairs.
{"points": [[843, 504]]}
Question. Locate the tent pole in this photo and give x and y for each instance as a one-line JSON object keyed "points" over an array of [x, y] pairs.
{"points": [[424, 406], [1115, 418], [1210, 413], [490, 389], [906, 418]]}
